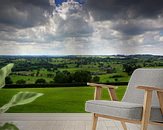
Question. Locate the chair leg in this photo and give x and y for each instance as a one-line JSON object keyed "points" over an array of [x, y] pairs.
{"points": [[144, 126], [94, 123], [124, 125], [146, 110]]}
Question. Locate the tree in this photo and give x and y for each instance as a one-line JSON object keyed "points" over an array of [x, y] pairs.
{"points": [[116, 79], [63, 77], [40, 81], [67, 77], [82, 76], [130, 67], [96, 79], [38, 72], [59, 77], [50, 75], [8, 80], [21, 81]]}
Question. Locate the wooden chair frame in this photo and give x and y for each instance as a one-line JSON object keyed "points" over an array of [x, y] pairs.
{"points": [[146, 107]]}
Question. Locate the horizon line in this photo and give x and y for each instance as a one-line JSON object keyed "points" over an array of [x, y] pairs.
{"points": [[80, 55]]}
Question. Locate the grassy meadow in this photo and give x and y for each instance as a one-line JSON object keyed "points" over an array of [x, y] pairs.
{"points": [[56, 100]]}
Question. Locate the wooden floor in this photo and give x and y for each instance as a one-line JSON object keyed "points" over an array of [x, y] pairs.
{"points": [[54, 121]]}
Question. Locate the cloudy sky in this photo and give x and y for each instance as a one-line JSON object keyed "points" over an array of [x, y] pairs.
{"points": [[99, 27]]}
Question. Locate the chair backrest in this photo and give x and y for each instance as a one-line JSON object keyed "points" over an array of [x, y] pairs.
{"points": [[146, 77]]}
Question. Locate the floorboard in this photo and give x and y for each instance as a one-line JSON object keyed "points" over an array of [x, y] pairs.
{"points": [[57, 121]]}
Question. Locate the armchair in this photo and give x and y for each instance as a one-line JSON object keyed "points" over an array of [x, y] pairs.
{"points": [[137, 106]]}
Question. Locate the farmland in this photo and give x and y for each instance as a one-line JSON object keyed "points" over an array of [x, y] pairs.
{"points": [[106, 69], [49, 70]]}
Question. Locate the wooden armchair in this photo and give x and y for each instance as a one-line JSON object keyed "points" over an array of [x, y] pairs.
{"points": [[138, 107]]}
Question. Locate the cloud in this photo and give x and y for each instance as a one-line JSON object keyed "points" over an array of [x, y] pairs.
{"points": [[23, 13], [57, 35], [129, 17], [124, 9], [137, 26], [101, 27], [56, 27], [74, 25]]}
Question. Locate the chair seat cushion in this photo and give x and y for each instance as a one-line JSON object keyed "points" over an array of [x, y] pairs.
{"points": [[131, 111]]}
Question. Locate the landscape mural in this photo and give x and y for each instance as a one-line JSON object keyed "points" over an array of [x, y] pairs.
{"points": [[58, 46]]}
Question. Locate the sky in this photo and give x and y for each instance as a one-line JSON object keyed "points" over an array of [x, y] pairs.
{"points": [[97, 27]]}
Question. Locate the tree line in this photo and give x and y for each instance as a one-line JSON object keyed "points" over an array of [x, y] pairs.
{"points": [[63, 77]]}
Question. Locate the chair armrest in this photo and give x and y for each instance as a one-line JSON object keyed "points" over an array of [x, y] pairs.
{"points": [[111, 90], [148, 88], [102, 85], [159, 91]]}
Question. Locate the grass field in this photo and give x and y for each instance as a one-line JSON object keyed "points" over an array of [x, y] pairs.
{"points": [[56, 100]]}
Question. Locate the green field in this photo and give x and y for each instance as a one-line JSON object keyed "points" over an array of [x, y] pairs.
{"points": [[56, 100]]}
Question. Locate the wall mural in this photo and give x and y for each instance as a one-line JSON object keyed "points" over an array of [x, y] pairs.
{"points": [[67, 43]]}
